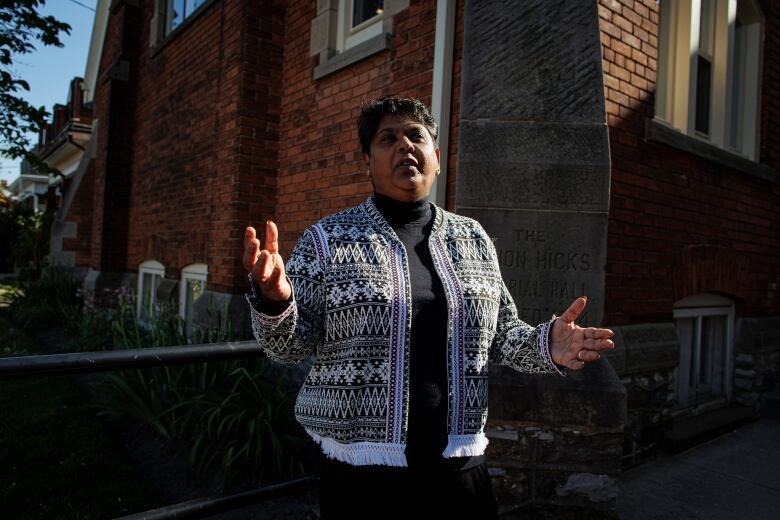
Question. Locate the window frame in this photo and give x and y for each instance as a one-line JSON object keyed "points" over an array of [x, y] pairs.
{"points": [[154, 268], [349, 36], [697, 308], [676, 85], [167, 10], [338, 45], [198, 272]]}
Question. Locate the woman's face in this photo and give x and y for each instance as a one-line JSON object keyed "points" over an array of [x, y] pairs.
{"points": [[404, 160]]}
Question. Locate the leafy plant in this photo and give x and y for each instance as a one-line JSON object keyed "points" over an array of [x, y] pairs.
{"points": [[24, 241], [52, 299], [21, 27], [233, 418]]}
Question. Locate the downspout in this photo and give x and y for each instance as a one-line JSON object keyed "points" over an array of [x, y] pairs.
{"points": [[441, 93]]}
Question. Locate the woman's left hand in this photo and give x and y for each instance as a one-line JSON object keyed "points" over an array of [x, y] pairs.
{"points": [[571, 345]]}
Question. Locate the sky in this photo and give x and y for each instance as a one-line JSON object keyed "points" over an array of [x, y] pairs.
{"points": [[49, 70]]}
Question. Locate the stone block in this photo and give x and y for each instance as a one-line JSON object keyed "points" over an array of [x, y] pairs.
{"points": [[616, 356], [395, 6], [512, 488], [533, 165], [323, 32], [649, 347], [590, 398], [532, 61], [753, 334], [549, 259], [324, 5], [576, 489], [509, 454], [581, 450], [596, 487]]}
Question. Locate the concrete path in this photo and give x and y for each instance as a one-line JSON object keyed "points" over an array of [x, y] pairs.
{"points": [[736, 476]]}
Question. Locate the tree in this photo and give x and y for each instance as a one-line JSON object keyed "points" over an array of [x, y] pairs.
{"points": [[20, 28]]}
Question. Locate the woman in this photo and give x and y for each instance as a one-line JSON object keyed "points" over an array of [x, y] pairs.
{"points": [[402, 305]]}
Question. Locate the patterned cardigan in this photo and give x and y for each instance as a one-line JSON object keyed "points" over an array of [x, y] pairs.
{"points": [[352, 310]]}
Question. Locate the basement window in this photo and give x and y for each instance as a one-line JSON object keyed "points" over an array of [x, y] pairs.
{"points": [[191, 289], [705, 325], [150, 275]]}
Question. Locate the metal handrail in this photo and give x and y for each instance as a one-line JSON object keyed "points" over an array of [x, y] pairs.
{"points": [[209, 506], [86, 362], [83, 362]]}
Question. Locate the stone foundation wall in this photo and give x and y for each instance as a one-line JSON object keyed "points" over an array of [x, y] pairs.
{"points": [[757, 362]]}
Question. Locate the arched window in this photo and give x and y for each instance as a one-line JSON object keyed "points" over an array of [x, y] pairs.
{"points": [[705, 325], [150, 274], [191, 288]]}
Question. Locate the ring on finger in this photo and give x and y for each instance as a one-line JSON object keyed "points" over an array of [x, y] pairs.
{"points": [[578, 355]]}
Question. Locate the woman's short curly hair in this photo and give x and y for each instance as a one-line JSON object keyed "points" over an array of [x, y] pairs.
{"points": [[372, 112]]}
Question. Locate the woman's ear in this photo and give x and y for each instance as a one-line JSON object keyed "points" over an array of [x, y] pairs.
{"points": [[367, 161]]}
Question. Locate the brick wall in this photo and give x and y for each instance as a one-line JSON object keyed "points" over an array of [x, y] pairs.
{"points": [[229, 128], [321, 166], [204, 134], [80, 212], [114, 104], [668, 206]]}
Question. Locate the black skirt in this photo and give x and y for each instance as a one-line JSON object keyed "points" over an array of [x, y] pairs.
{"points": [[381, 492]]}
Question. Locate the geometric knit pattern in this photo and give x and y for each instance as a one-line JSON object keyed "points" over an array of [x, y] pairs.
{"points": [[351, 309]]}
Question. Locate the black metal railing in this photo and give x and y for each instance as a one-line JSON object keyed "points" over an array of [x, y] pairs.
{"points": [[86, 362], [83, 362]]}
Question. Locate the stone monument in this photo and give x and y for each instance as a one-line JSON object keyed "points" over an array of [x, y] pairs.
{"points": [[534, 169]]}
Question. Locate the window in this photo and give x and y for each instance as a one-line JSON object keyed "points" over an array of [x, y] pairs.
{"points": [[704, 325], [346, 31], [363, 11], [191, 289], [150, 274], [360, 20], [709, 71], [176, 11]]}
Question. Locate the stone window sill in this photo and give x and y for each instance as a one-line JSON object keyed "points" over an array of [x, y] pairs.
{"points": [[660, 133], [357, 53]]}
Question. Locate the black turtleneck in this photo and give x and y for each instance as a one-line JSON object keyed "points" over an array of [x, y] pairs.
{"points": [[427, 430]]}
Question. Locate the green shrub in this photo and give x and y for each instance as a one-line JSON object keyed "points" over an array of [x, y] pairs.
{"points": [[52, 299], [233, 418], [24, 240]]}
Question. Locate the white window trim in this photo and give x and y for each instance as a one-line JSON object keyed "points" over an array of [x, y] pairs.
{"points": [[703, 305], [676, 84], [197, 272], [152, 267], [348, 36]]}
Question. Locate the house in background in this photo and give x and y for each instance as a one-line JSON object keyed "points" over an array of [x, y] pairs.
{"points": [[30, 188], [61, 144], [616, 148]]}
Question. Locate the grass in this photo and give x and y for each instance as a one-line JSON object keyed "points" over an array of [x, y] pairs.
{"points": [[6, 291], [58, 459]]}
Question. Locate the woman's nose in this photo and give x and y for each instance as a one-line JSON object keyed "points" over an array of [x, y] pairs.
{"points": [[405, 144]]}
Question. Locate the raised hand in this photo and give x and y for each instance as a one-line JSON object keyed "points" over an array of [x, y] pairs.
{"points": [[266, 265], [571, 345]]}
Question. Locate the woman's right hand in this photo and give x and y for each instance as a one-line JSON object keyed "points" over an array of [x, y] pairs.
{"points": [[266, 265]]}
